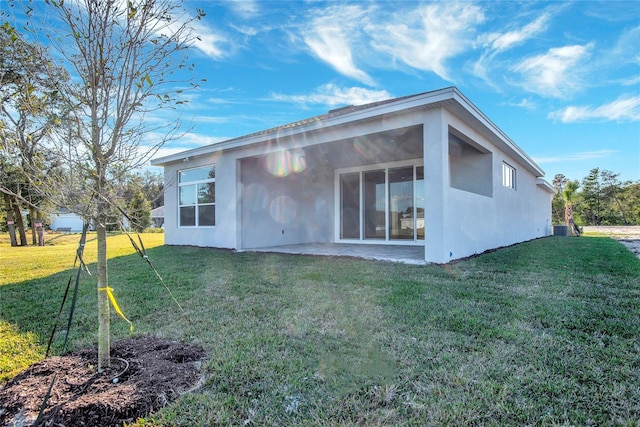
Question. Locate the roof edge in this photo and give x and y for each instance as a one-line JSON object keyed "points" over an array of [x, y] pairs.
{"points": [[333, 117], [487, 122], [352, 113], [546, 185]]}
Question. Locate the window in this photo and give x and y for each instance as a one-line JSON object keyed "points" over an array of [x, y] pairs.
{"points": [[508, 176], [197, 197]]}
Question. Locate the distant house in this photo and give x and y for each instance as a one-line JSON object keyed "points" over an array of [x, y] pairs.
{"points": [[157, 217], [428, 170], [67, 221]]}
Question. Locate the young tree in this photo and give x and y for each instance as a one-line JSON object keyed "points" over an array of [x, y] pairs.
{"points": [[569, 194], [139, 211], [629, 198], [557, 204], [592, 197], [611, 189], [128, 57]]}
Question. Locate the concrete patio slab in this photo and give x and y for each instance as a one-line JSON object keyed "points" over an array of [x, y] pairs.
{"points": [[392, 253]]}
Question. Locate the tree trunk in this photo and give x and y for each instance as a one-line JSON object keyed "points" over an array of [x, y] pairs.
{"points": [[39, 229], [568, 217], [624, 217], [19, 223], [10, 222], [34, 236], [104, 351]]}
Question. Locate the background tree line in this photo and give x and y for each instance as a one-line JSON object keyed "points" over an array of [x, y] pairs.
{"points": [[600, 198], [140, 193], [51, 155]]}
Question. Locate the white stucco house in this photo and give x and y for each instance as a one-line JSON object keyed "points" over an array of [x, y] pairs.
{"points": [[428, 170], [65, 220], [157, 217]]}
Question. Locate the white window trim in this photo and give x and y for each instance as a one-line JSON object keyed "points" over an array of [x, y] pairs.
{"points": [[202, 181], [509, 176]]}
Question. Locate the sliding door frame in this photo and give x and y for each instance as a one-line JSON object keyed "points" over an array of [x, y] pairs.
{"points": [[362, 208]]}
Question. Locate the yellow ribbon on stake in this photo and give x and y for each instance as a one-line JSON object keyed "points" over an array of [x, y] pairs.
{"points": [[116, 307]]}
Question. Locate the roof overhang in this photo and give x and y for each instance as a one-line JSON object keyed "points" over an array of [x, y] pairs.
{"points": [[449, 98], [545, 185]]}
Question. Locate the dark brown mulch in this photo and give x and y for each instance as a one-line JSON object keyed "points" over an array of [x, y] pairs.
{"points": [[146, 373]]}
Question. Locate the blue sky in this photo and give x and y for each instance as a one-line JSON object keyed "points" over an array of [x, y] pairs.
{"points": [[562, 79]]}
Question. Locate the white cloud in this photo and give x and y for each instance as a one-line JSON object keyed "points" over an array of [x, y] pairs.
{"points": [[331, 36], [193, 140], [427, 37], [221, 101], [498, 42], [245, 8], [574, 157], [555, 73], [246, 30], [525, 103], [202, 118], [423, 38], [631, 81], [625, 108], [502, 41], [208, 42], [332, 95], [627, 50]]}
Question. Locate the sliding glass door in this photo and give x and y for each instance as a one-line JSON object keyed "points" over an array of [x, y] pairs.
{"points": [[350, 206], [382, 204], [401, 206], [374, 205], [419, 218]]}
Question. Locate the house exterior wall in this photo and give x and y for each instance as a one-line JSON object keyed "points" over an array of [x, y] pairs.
{"points": [[467, 208], [284, 210], [436, 182], [296, 203], [471, 222], [223, 234], [67, 220]]}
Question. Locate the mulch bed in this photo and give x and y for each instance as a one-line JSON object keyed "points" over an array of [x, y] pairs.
{"points": [[146, 374]]}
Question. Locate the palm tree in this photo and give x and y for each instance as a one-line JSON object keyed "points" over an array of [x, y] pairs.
{"points": [[568, 194]]}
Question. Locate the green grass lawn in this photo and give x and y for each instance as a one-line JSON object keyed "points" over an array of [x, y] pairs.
{"points": [[542, 333]]}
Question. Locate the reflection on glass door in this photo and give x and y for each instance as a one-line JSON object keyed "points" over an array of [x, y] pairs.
{"points": [[420, 202], [350, 206], [401, 207], [374, 205]]}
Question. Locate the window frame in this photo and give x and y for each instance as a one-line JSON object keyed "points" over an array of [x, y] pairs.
{"points": [[195, 184], [509, 176]]}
